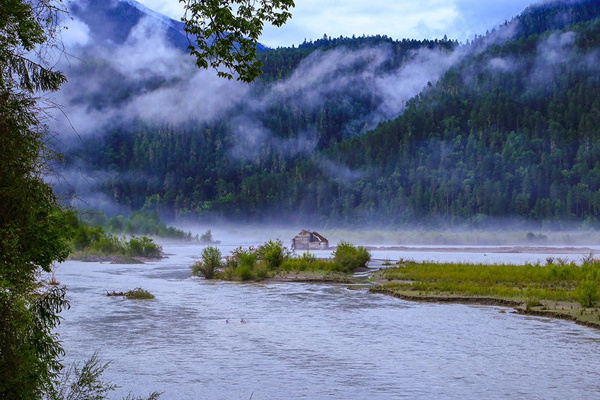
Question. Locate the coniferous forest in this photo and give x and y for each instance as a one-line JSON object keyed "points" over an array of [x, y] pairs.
{"points": [[510, 129]]}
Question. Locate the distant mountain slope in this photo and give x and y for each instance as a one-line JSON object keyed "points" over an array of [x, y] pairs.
{"points": [[552, 15], [504, 127], [513, 131], [111, 21]]}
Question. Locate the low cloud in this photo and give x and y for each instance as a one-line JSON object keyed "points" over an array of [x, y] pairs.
{"points": [[340, 172], [75, 33], [553, 52], [323, 73], [148, 78], [426, 66], [144, 78], [252, 140]]}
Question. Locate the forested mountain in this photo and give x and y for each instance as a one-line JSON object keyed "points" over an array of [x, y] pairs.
{"points": [[373, 130]]}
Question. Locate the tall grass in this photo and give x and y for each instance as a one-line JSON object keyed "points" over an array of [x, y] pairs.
{"points": [[557, 282]]}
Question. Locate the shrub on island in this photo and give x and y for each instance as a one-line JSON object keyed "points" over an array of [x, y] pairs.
{"points": [[209, 263], [272, 258]]}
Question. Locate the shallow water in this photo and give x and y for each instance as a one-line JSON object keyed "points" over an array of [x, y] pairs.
{"points": [[308, 341]]}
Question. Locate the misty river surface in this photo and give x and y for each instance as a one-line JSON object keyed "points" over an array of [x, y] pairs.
{"points": [[220, 340]]}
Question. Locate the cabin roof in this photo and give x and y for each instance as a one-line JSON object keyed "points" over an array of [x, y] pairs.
{"points": [[314, 236]]}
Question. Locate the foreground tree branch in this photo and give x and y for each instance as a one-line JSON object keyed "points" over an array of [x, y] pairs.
{"points": [[224, 34]]}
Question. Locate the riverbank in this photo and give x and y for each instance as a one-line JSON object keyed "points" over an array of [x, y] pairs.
{"points": [[112, 259], [569, 311], [556, 290], [565, 310]]}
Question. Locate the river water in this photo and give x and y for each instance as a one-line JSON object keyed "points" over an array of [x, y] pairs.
{"points": [[219, 340]]}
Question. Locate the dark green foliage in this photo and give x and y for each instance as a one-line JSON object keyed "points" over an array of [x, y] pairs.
{"points": [[194, 172], [511, 131], [30, 351], [209, 264], [94, 241], [34, 232], [281, 62], [143, 247], [349, 257]]}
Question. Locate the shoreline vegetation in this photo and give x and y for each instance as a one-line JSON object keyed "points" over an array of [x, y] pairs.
{"points": [[557, 289], [93, 243]]}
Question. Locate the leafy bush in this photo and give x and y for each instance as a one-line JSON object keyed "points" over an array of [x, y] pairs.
{"points": [[209, 264], [243, 272], [241, 264], [143, 247], [273, 254], [306, 262], [244, 257], [349, 257], [587, 293]]}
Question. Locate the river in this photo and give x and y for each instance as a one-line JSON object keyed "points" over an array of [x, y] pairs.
{"points": [[220, 340]]}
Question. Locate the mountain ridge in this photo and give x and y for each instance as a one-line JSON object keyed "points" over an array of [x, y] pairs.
{"points": [[478, 143]]}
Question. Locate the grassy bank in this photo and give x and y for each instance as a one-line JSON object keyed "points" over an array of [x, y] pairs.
{"points": [[93, 244], [556, 289]]}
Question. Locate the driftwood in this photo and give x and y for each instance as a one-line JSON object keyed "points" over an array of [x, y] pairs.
{"points": [[113, 293]]}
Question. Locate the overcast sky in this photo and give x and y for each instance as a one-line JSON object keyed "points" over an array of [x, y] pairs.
{"points": [[399, 19]]}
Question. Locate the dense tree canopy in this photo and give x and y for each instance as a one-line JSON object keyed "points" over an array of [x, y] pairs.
{"points": [[510, 131], [32, 232]]}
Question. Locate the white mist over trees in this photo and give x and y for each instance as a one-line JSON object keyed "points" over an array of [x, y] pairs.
{"points": [[363, 129]]}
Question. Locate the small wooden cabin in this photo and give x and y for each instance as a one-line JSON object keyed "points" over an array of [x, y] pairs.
{"points": [[307, 240]]}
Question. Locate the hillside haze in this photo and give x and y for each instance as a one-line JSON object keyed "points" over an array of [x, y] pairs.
{"points": [[340, 131]]}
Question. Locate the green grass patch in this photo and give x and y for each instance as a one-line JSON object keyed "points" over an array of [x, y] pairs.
{"points": [[552, 282]]}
